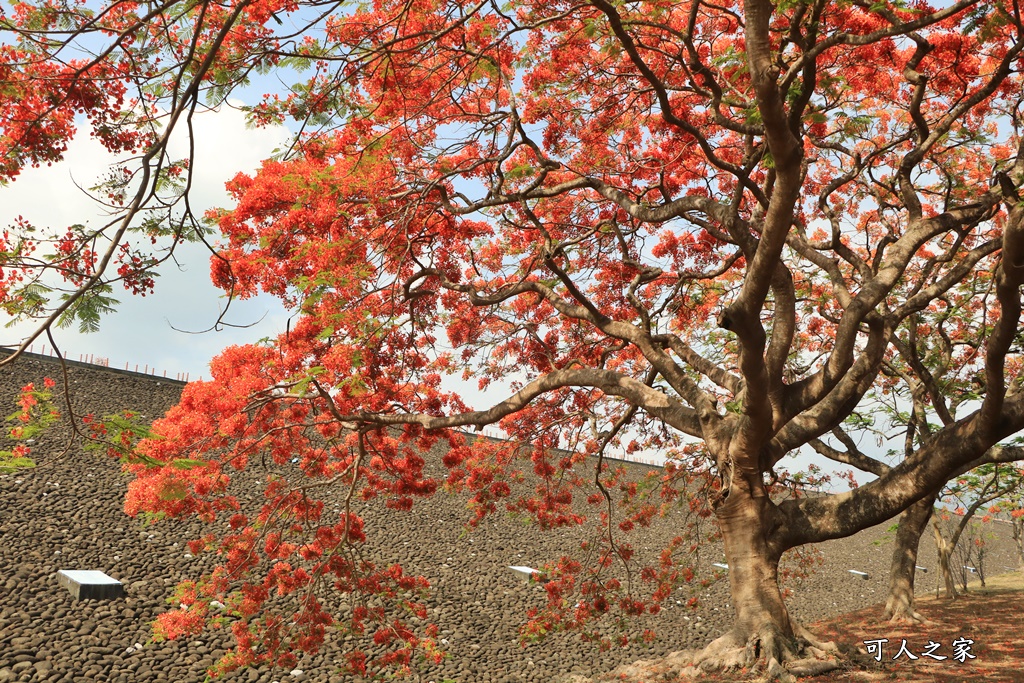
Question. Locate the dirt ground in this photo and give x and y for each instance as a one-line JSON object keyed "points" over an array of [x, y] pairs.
{"points": [[991, 617], [977, 637]]}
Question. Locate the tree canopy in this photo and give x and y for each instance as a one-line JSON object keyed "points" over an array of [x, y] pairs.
{"points": [[690, 224]]}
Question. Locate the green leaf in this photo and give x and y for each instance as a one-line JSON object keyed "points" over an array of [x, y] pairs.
{"points": [[87, 309], [187, 464], [520, 171], [173, 491], [10, 464], [26, 302]]}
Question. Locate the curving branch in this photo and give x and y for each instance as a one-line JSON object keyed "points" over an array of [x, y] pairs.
{"points": [[957, 448], [634, 391]]}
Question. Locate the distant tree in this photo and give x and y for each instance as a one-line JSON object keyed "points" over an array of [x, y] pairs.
{"points": [[940, 382], [698, 221], [1013, 506], [929, 380], [984, 486]]}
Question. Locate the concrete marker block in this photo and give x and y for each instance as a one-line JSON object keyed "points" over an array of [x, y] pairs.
{"points": [[88, 584], [526, 573]]}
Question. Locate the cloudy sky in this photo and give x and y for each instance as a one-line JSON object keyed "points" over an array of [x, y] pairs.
{"points": [[145, 331]]}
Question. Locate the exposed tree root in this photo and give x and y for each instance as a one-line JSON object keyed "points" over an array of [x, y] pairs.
{"points": [[899, 609], [904, 615], [769, 654], [778, 657]]}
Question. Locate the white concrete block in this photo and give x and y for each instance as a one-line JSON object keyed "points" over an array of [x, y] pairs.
{"points": [[88, 584], [525, 573]]}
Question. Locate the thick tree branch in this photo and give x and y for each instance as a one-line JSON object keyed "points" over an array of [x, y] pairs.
{"points": [[652, 351], [954, 449], [1009, 279], [855, 458], [811, 390], [634, 391]]}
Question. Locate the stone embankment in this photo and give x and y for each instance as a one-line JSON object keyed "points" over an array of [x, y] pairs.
{"points": [[67, 514]]}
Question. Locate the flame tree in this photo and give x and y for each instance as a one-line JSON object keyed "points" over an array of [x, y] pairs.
{"points": [[689, 220], [930, 379]]}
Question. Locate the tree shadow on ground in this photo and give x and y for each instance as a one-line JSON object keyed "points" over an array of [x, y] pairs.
{"points": [[993, 618]]}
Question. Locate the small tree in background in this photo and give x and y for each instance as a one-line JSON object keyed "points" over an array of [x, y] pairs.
{"points": [[960, 544], [1013, 507]]}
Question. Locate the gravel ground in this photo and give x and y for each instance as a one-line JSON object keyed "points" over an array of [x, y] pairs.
{"points": [[67, 514]]}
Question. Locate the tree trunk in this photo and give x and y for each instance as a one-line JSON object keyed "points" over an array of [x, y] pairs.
{"points": [[1018, 539], [763, 635], [899, 607], [944, 552], [753, 569], [980, 551]]}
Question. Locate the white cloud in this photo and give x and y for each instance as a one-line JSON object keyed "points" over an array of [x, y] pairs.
{"points": [[141, 331]]}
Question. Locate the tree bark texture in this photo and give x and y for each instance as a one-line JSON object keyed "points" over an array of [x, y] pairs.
{"points": [[945, 552], [899, 606], [753, 567], [763, 635]]}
